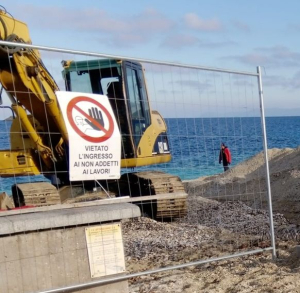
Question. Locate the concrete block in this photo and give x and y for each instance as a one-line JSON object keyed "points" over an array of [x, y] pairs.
{"points": [[67, 217], [76, 217], [29, 275], [80, 238], [3, 277], [42, 258], [26, 245], [69, 240], [11, 248], [20, 225], [71, 267], [84, 272], [55, 242], [6, 226], [14, 276], [57, 270], [43, 272], [2, 253], [40, 246]]}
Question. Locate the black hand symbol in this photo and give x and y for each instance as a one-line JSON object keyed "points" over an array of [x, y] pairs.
{"points": [[97, 116]]}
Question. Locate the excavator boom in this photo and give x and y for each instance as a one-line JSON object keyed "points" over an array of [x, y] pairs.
{"points": [[31, 89]]}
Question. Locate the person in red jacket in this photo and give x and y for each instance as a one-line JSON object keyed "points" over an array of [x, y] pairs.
{"points": [[225, 156]]}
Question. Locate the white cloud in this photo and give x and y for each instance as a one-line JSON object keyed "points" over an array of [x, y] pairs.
{"points": [[241, 26], [285, 82], [117, 29], [180, 41], [278, 56], [193, 21], [151, 20]]}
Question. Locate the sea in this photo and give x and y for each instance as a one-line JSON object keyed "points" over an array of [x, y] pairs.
{"points": [[195, 144]]}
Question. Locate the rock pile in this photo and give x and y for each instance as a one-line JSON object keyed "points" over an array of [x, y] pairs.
{"points": [[237, 217], [225, 226]]}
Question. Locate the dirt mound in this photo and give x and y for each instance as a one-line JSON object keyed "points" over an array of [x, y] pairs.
{"points": [[247, 182]]}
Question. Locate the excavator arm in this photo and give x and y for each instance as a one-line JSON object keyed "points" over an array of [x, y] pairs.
{"points": [[31, 89]]}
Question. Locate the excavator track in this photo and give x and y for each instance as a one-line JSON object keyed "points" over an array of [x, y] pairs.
{"points": [[171, 205], [156, 183], [44, 194]]}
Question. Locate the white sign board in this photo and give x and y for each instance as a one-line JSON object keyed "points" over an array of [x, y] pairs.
{"points": [[94, 136], [105, 250]]}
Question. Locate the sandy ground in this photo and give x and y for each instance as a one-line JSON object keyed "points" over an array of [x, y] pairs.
{"points": [[227, 214]]}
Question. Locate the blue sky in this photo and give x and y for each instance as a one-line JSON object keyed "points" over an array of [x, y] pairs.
{"points": [[238, 35]]}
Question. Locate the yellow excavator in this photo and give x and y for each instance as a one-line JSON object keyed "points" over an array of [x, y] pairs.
{"points": [[39, 138]]}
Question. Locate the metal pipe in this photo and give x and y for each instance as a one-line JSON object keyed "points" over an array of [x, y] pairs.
{"points": [[264, 132], [103, 189], [75, 288], [23, 45]]}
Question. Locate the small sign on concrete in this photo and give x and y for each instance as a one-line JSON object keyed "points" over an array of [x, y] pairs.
{"points": [[105, 250]]}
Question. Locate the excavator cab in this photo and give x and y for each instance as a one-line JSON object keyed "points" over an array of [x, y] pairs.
{"points": [[144, 138]]}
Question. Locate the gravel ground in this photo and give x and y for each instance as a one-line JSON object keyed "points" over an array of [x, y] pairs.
{"points": [[229, 225]]}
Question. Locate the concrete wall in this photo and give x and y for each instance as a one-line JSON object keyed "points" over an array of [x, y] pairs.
{"points": [[33, 261]]}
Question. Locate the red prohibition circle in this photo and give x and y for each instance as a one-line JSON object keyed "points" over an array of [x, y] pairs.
{"points": [[107, 132]]}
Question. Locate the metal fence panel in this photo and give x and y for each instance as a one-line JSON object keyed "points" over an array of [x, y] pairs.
{"points": [[207, 213]]}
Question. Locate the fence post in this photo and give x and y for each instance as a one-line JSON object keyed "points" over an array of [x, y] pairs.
{"points": [[264, 133]]}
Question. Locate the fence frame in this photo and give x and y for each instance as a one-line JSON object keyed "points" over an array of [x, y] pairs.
{"points": [[269, 197]]}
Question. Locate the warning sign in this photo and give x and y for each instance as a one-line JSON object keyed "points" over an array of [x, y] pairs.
{"points": [[94, 136], [93, 119]]}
